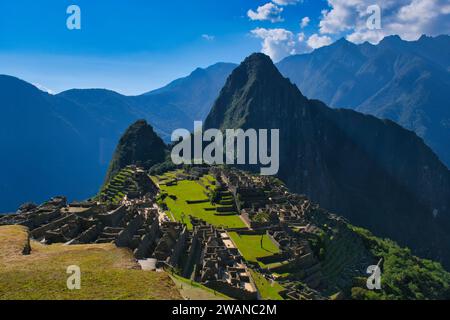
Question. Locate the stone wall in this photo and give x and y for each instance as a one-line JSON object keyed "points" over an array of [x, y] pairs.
{"points": [[114, 217], [39, 232], [231, 291], [179, 248], [143, 250], [126, 235]]}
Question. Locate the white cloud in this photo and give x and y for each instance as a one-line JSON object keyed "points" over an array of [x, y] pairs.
{"points": [[407, 18], [286, 2], [277, 43], [269, 11], [301, 37], [315, 41], [208, 37], [305, 21]]}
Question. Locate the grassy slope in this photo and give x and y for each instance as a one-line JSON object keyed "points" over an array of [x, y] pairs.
{"points": [[107, 272], [192, 190], [116, 188], [267, 290]]}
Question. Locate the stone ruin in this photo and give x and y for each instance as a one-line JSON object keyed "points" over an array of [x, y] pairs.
{"points": [[134, 225], [204, 254], [217, 263]]}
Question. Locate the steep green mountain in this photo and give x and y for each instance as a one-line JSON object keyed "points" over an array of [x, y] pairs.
{"points": [[139, 145], [373, 172], [407, 82]]}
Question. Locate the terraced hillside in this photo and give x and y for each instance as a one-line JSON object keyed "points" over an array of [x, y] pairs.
{"points": [[107, 272], [344, 252], [119, 186], [131, 181]]}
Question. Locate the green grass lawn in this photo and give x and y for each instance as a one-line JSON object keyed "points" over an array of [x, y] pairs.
{"points": [[250, 246], [208, 180], [107, 272], [267, 290], [192, 190]]}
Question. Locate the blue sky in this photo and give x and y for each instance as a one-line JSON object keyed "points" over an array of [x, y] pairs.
{"points": [[134, 46]]}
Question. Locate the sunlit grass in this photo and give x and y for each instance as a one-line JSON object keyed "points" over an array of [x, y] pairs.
{"points": [[191, 190], [107, 272], [251, 246], [267, 290]]}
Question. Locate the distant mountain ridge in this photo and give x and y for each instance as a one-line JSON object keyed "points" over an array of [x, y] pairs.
{"points": [[404, 81], [46, 144], [371, 171], [174, 106], [194, 94], [63, 143]]}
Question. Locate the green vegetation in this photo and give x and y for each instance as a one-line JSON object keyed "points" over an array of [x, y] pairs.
{"points": [[119, 186], [267, 290], [190, 197], [339, 252], [107, 272], [139, 145], [251, 247], [404, 276], [160, 168], [208, 181]]}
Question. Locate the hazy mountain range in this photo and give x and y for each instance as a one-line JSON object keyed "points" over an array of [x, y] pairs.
{"points": [[407, 82], [63, 143]]}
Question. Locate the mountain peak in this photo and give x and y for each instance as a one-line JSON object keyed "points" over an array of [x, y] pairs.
{"points": [[140, 124], [257, 56], [240, 102], [256, 66], [139, 145], [256, 61], [343, 42], [391, 40]]}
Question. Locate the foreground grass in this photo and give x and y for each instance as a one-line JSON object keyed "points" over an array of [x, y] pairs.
{"points": [[251, 248], [107, 272], [192, 190]]}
